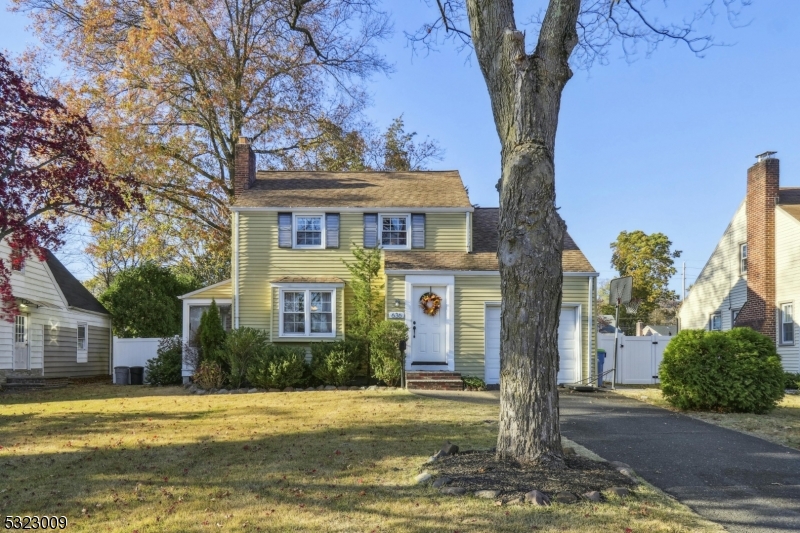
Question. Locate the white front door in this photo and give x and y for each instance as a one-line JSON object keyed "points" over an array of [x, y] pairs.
{"points": [[428, 334], [21, 351]]}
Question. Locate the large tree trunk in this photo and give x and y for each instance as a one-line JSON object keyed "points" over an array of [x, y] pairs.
{"points": [[525, 91]]}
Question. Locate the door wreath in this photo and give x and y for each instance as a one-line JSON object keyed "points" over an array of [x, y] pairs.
{"points": [[430, 303]]}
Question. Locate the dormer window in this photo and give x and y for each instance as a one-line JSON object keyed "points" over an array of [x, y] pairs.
{"points": [[743, 258], [394, 231]]}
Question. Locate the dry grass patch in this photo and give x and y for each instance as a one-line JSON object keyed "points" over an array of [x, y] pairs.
{"points": [[782, 425], [156, 459]]}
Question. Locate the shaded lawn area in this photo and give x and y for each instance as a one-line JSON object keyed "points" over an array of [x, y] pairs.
{"points": [[782, 425], [157, 459]]}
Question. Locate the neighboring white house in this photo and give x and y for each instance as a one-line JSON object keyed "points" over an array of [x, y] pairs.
{"points": [[61, 331], [753, 276]]}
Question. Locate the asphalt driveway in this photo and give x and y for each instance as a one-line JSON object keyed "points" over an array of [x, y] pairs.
{"points": [[744, 483]]}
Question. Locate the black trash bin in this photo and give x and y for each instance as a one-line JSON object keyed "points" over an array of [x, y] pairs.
{"points": [[137, 375], [122, 375]]}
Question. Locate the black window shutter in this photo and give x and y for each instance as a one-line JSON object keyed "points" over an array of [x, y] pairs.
{"points": [[284, 230], [370, 230], [418, 231], [332, 230]]}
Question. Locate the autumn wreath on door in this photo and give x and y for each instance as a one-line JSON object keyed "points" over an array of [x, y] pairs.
{"points": [[430, 302]]}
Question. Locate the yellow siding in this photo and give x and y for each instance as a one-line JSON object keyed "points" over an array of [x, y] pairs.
{"points": [[471, 294], [446, 232], [395, 290], [221, 291]]}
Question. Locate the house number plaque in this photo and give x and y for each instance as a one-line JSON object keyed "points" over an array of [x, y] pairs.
{"points": [[397, 314]]}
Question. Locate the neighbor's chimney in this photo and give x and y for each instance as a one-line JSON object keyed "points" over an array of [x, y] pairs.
{"points": [[763, 183], [245, 166]]}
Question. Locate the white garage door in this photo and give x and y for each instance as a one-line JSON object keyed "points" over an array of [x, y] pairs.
{"points": [[567, 345]]}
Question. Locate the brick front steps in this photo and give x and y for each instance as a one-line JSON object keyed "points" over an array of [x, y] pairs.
{"points": [[434, 380], [33, 383]]}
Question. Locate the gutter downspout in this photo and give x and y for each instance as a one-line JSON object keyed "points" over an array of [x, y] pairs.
{"points": [[592, 328]]}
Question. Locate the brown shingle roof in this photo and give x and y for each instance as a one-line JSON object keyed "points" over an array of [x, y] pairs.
{"points": [[484, 255], [789, 195], [355, 189]]}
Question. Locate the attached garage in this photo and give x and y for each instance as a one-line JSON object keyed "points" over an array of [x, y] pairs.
{"points": [[568, 345]]}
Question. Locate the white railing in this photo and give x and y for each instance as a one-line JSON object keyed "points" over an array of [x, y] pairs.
{"points": [[134, 352], [638, 358]]}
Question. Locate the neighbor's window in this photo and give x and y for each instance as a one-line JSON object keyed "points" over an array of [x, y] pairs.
{"points": [[734, 315], [715, 324], [787, 324], [196, 313], [308, 231], [743, 258], [394, 231], [83, 343], [307, 312]]}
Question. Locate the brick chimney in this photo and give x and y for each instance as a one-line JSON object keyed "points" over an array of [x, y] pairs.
{"points": [[245, 173], [763, 183]]}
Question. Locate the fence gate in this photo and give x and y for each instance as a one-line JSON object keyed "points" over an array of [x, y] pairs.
{"points": [[638, 358]]}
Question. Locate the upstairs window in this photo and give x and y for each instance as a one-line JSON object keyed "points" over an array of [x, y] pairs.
{"points": [[743, 258], [394, 231], [715, 322], [308, 231], [787, 324], [311, 230]]}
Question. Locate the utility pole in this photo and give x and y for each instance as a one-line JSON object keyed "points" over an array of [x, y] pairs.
{"points": [[683, 282]]}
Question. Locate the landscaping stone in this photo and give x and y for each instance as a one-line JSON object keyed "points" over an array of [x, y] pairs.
{"points": [[381, 388], [537, 498], [565, 497], [288, 389], [568, 450], [488, 494], [212, 390], [200, 392], [593, 496], [234, 391], [342, 388], [191, 387], [355, 387], [628, 472], [618, 464], [242, 391], [321, 387], [453, 491], [441, 482], [310, 389], [362, 388], [273, 390], [372, 387], [330, 387], [622, 492], [422, 478], [222, 391], [449, 449], [252, 390]]}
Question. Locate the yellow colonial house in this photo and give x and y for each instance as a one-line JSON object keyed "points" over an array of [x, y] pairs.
{"points": [[292, 231]]}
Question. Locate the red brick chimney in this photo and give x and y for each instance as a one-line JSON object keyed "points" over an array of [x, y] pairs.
{"points": [[245, 173], [763, 183]]}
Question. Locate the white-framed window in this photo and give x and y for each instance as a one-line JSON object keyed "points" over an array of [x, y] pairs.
{"points": [[83, 343], [715, 322], [308, 312], [395, 231], [787, 323], [743, 258], [309, 231]]}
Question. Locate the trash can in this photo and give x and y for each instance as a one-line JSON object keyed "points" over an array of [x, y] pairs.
{"points": [[137, 375], [601, 359], [122, 375]]}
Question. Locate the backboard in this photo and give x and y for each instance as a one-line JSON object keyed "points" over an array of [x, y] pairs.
{"points": [[619, 292]]}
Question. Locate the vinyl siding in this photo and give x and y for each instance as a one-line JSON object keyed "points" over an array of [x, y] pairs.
{"points": [[34, 283], [61, 351], [719, 288], [446, 232], [787, 281], [223, 291]]}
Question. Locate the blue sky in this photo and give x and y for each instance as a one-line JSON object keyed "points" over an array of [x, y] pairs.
{"points": [[661, 144]]}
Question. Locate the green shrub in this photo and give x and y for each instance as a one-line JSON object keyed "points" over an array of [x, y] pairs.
{"points": [[242, 347], [334, 363], [384, 352], [473, 383], [210, 334], [209, 375], [791, 381], [278, 367], [165, 368], [737, 370]]}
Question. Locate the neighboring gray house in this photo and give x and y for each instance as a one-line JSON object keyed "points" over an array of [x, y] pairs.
{"points": [[62, 330], [753, 276]]}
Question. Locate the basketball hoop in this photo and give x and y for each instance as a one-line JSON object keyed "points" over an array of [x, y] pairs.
{"points": [[633, 306]]}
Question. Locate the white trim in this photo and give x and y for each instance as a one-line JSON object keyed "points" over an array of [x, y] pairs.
{"points": [[472, 273], [781, 340], [55, 284], [308, 285], [449, 282], [580, 274], [96, 313], [322, 225], [307, 288], [82, 355], [338, 209], [27, 317], [407, 245], [186, 372], [578, 309], [469, 231], [486, 306], [218, 284]]}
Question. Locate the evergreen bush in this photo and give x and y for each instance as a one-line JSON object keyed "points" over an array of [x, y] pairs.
{"points": [[165, 368], [737, 371], [334, 363], [240, 350], [791, 381], [210, 335], [385, 358], [278, 367]]}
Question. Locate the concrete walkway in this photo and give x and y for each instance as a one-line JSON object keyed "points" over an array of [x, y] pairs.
{"points": [[744, 483]]}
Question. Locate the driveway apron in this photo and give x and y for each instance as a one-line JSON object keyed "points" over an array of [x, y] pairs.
{"points": [[744, 483]]}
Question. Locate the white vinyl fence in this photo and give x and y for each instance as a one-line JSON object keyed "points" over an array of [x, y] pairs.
{"points": [[134, 352], [638, 358]]}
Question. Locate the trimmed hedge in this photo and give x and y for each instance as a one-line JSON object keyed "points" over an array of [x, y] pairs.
{"points": [[731, 371], [278, 367], [334, 363]]}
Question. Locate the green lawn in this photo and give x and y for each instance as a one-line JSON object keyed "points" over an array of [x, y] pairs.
{"points": [[782, 425], [157, 459]]}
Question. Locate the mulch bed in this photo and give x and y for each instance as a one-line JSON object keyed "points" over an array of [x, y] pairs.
{"points": [[480, 470]]}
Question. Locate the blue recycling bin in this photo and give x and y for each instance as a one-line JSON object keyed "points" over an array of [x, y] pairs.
{"points": [[601, 359]]}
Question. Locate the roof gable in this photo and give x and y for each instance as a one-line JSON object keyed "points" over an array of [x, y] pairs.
{"points": [[73, 290]]}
